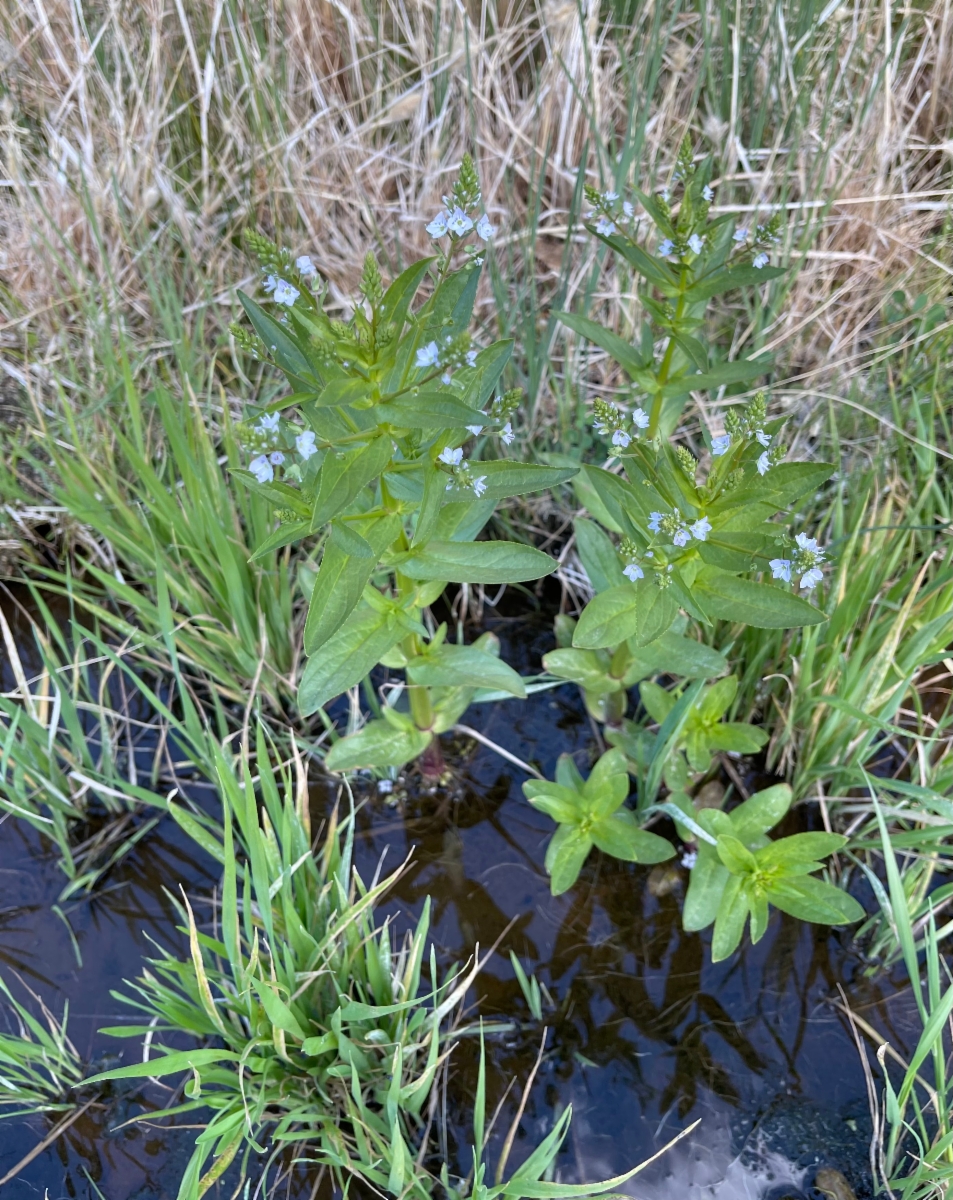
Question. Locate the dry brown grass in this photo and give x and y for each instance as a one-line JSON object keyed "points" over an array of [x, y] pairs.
{"points": [[164, 126]]}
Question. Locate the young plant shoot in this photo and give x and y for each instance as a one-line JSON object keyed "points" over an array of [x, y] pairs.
{"points": [[378, 465]]}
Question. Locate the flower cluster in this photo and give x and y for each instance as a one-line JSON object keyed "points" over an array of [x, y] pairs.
{"points": [[744, 426], [455, 219], [677, 528], [629, 552], [264, 440], [619, 427], [609, 211], [461, 472], [501, 410], [455, 352], [807, 562]]}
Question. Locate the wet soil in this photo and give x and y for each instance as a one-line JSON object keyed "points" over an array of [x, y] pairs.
{"points": [[643, 1034]]}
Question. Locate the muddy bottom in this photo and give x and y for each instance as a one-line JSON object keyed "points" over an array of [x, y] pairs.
{"points": [[643, 1034]]}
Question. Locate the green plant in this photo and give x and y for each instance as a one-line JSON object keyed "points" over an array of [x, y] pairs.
{"points": [[688, 734], [388, 400], [314, 1030], [39, 1065], [738, 872], [590, 813], [918, 1108]]}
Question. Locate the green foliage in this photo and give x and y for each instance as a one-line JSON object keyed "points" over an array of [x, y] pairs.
{"points": [[313, 1030], [590, 813], [39, 1066], [738, 872], [376, 468]]}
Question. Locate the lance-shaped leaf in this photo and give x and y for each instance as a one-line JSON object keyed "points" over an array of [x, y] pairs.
{"points": [[757, 604], [347, 657], [453, 666], [476, 562], [626, 355], [641, 612], [378, 744], [344, 476], [279, 344]]}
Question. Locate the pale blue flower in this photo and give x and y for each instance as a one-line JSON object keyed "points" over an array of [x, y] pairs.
{"points": [[304, 444], [471, 358], [759, 261], [740, 235], [628, 209], [810, 579], [476, 430], [459, 223], [721, 445], [695, 244], [640, 419], [262, 469], [707, 193], [438, 226], [427, 355], [807, 543], [681, 537], [781, 569], [276, 458], [610, 197], [701, 529], [484, 229], [605, 227], [506, 434], [655, 521], [269, 423], [633, 571], [764, 463], [479, 485], [305, 265], [689, 858], [285, 293], [666, 247], [621, 438], [763, 438], [452, 458]]}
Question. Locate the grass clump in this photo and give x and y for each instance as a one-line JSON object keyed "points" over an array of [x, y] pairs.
{"points": [[316, 1042]]}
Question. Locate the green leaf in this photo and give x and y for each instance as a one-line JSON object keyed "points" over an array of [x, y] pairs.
{"points": [[347, 657], [283, 348], [800, 848], [705, 887], [724, 373], [167, 1064], [344, 476], [779, 488], [587, 668], [811, 899], [736, 856], [345, 390], [504, 479], [716, 700], [620, 836], [565, 856], [760, 812], [757, 604], [278, 1013], [398, 297], [477, 562], [608, 784], [597, 555], [341, 580], [641, 612], [453, 666], [653, 269], [674, 654], [625, 354], [731, 277], [429, 410], [286, 533], [735, 736], [378, 744], [658, 701], [730, 921], [561, 803]]}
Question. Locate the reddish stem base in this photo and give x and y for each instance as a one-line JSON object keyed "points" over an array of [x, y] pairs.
{"points": [[431, 763]]}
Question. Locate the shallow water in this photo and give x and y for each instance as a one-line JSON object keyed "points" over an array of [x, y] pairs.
{"points": [[645, 1035]]}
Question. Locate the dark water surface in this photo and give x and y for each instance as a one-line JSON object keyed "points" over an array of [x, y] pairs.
{"points": [[644, 1034]]}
